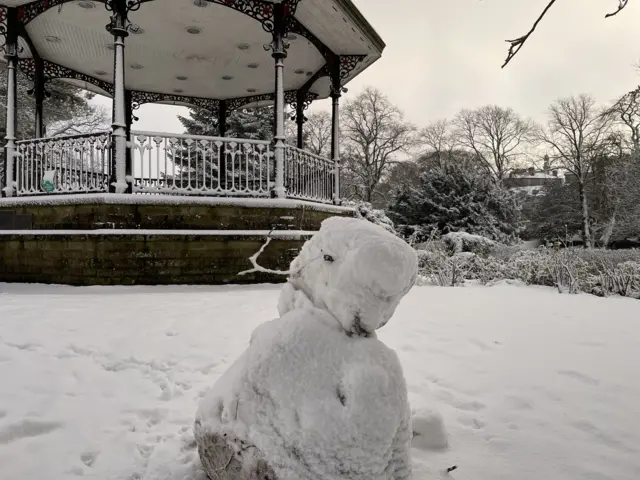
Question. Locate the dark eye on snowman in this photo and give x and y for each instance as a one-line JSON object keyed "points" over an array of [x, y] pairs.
{"points": [[328, 258]]}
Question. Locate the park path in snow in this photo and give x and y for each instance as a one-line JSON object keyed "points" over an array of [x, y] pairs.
{"points": [[104, 382]]}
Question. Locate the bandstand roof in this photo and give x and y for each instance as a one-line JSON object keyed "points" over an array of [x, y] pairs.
{"points": [[204, 49]]}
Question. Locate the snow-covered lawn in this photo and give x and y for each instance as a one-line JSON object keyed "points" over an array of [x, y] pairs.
{"points": [[105, 382]]}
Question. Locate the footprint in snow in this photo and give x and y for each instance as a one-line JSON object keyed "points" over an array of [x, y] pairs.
{"points": [[517, 402], [26, 429], [472, 422], [470, 406], [481, 345], [580, 377], [89, 458]]}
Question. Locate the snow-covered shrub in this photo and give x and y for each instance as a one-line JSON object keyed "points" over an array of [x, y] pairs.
{"points": [[366, 211], [572, 270], [622, 279], [458, 242]]}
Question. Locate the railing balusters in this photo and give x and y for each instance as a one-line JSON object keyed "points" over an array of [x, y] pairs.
{"points": [[170, 164], [195, 165], [67, 164], [308, 175]]}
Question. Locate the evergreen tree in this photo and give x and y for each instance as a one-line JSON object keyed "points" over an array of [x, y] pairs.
{"points": [[253, 124], [200, 169], [454, 199]]}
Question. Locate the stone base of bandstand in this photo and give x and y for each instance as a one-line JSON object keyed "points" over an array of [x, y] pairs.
{"points": [[108, 239]]}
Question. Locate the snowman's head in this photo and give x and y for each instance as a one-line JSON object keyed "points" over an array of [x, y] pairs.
{"points": [[356, 271]]}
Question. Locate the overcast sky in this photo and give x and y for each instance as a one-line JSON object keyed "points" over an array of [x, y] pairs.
{"points": [[444, 55]]}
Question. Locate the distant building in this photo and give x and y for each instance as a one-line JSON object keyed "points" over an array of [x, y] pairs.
{"points": [[531, 181]]}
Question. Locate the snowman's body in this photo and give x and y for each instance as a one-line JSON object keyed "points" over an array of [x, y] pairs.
{"points": [[314, 396]]}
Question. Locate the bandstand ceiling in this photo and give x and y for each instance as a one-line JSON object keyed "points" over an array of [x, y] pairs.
{"points": [[210, 51]]}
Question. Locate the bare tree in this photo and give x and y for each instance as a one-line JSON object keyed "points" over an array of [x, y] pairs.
{"points": [[620, 186], [578, 134], [373, 132], [495, 135], [437, 137], [317, 133], [93, 119], [516, 44], [622, 177], [627, 110]]}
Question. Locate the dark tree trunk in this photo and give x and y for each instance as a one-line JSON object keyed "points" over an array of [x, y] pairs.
{"points": [[586, 234]]}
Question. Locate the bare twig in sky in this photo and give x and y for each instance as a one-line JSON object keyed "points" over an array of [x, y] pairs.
{"points": [[621, 5], [517, 44]]}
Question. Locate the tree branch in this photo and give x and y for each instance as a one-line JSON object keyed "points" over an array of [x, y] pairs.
{"points": [[516, 44], [621, 5]]}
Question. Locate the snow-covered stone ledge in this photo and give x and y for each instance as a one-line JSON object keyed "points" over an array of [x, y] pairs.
{"points": [[125, 199], [274, 234]]}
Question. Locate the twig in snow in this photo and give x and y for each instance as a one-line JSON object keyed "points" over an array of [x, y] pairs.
{"points": [[259, 269], [451, 469]]}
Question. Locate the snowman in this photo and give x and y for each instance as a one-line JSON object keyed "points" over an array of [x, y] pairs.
{"points": [[316, 395]]}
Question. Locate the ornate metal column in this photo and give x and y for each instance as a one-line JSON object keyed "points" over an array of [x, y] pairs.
{"points": [[11, 55], [222, 118], [336, 92], [222, 131], [39, 94], [128, 157], [118, 28], [278, 49], [300, 104]]}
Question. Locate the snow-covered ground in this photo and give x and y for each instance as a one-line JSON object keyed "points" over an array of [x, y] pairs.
{"points": [[104, 382]]}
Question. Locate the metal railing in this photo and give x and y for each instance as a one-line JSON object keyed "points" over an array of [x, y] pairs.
{"points": [[198, 165], [308, 176], [69, 164], [170, 164]]}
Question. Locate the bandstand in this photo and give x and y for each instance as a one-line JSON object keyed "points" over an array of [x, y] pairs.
{"points": [[129, 206]]}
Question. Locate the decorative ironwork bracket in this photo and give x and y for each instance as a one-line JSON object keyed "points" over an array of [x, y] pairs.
{"points": [[53, 71], [4, 33], [291, 98], [236, 103], [339, 69], [139, 98], [31, 10], [295, 27], [263, 12], [119, 23], [348, 63], [3, 29]]}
